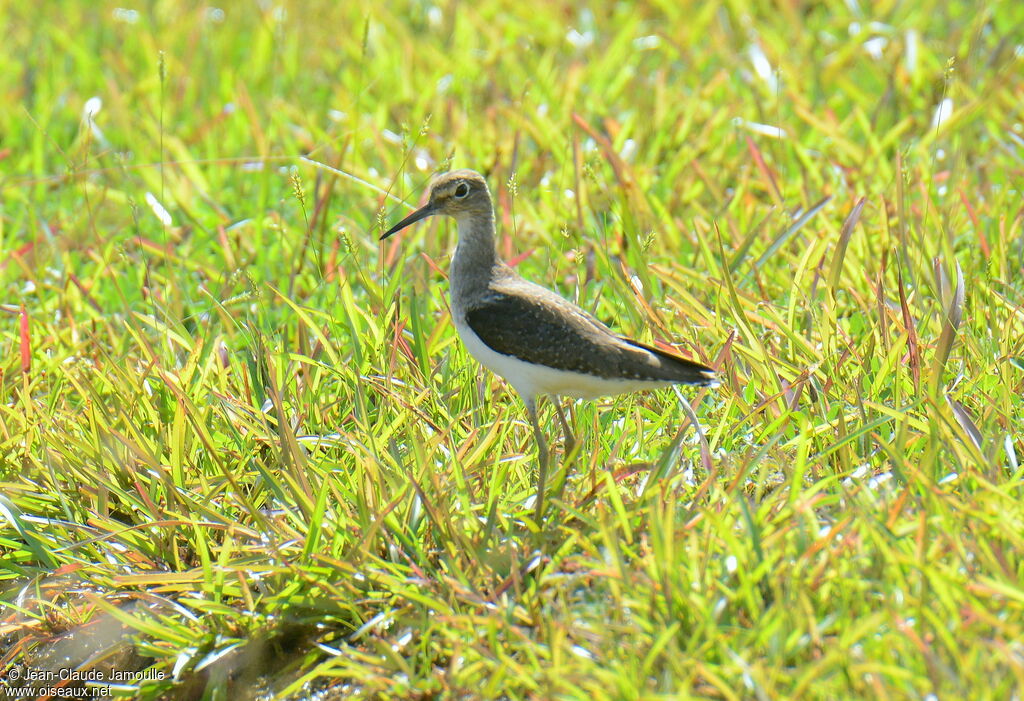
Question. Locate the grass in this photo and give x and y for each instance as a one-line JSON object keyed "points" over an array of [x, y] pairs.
{"points": [[242, 452]]}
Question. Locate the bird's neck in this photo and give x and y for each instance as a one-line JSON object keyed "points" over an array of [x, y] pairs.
{"points": [[474, 257]]}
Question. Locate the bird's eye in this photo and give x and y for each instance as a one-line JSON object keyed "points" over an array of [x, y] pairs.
{"points": [[462, 190]]}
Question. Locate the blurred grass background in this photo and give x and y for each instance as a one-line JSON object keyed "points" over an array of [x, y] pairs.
{"points": [[243, 454]]}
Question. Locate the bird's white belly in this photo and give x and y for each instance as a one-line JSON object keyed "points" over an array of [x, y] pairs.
{"points": [[531, 380]]}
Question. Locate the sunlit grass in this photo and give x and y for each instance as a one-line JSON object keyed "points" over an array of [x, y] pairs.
{"points": [[242, 450]]}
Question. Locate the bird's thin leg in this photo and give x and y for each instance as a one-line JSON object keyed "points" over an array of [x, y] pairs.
{"points": [[542, 458], [568, 447], [569, 441]]}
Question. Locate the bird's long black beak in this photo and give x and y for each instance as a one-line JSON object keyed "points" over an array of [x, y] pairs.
{"points": [[421, 213]]}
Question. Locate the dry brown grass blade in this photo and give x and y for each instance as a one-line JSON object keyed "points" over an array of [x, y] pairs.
{"points": [[913, 347]]}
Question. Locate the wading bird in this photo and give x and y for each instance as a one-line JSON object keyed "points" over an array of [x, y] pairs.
{"points": [[538, 341]]}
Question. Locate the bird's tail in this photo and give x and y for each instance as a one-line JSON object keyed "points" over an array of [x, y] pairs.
{"points": [[681, 370]]}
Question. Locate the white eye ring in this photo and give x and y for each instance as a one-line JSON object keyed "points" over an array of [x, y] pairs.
{"points": [[461, 190]]}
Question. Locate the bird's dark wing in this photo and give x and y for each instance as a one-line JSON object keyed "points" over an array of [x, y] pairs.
{"points": [[544, 329]]}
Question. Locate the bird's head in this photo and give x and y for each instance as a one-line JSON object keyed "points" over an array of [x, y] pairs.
{"points": [[457, 193]]}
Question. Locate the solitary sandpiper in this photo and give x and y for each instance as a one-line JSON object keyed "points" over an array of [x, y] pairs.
{"points": [[538, 341]]}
